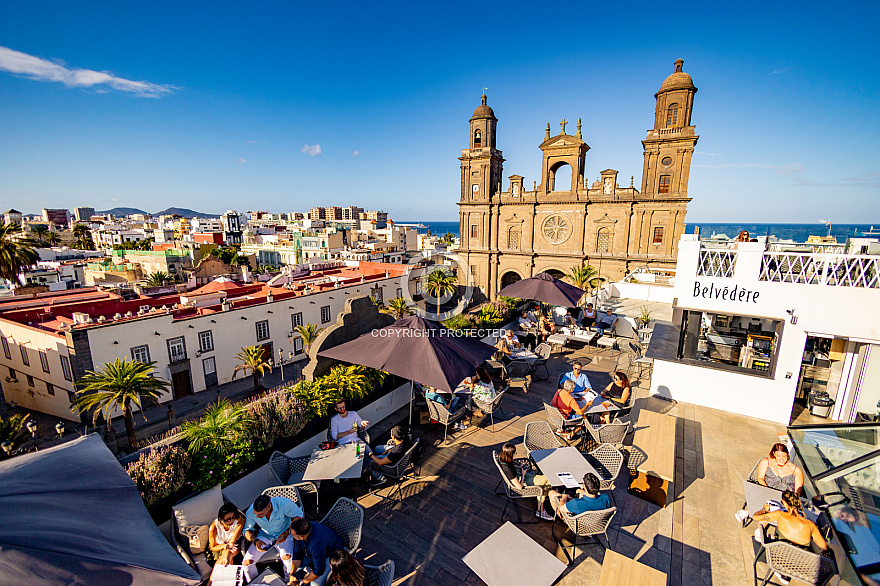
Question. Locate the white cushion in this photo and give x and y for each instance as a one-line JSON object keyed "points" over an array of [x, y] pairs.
{"points": [[200, 509]]}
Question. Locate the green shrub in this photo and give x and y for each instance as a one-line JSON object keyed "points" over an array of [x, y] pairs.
{"points": [[159, 472], [275, 415], [212, 467], [13, 430]]}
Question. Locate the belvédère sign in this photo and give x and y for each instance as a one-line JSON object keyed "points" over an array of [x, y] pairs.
{"points": [[735, 293]]}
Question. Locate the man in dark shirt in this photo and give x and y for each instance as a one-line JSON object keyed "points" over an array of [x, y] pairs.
{"points": [[312, 545], [390, 453]]}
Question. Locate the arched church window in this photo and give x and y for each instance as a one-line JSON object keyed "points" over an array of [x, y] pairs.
{"points": [[672, 116], [478, 139], [664, 184], [513, 238], [603, 240]]}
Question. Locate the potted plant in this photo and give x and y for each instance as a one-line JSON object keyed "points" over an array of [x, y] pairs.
{"points": [[644, 317]]}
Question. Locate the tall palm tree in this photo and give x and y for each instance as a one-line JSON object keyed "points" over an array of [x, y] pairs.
{"points": [[584, 276], [252, 359], [52, 238], [40, 232], [219, 428], [16, 252], [398, 307], [309, 333], [440, 282], [119, 384], [83, 237], [158, 278], [448, 238]]}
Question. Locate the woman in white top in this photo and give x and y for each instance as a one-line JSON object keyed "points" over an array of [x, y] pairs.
{"points": [[224, 535]]}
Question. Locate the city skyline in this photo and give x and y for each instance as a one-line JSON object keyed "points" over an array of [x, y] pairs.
{"points": [[269, 110]]}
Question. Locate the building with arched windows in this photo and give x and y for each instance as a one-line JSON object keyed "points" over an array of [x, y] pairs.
{"points": [[511, 234]]}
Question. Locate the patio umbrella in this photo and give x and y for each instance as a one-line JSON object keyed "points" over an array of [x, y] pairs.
{"points": [[72, 515], [546, 288], [416, 349]]}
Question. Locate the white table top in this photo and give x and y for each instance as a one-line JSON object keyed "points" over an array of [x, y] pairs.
{"points": [[268, 578], [757, 496], [524, 356], [555, 460], [578, 334], [597, 406], [340, 462], [509, 556]]}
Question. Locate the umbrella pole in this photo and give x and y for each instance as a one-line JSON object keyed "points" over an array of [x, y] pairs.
{"points": [[412, 394]]}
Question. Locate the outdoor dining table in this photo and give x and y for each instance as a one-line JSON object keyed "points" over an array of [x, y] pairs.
{"points": [[524, 356], [598, 405], [654, 454], [619, 569], [338, 463], [555, 461], [509, 556], [757, 496]]}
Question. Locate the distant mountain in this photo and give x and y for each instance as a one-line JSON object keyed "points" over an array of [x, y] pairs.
{"points": [[182, 212]]}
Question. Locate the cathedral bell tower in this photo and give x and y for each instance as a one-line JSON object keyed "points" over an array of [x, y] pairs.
{"points": [[481, 163]]}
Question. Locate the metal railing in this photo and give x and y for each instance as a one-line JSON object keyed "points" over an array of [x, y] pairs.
{"points": [[836, 270], [717, 262], [652, 276]]}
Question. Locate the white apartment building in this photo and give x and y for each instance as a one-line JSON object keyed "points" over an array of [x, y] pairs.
{"points": [[51, 340], [757, 327]]}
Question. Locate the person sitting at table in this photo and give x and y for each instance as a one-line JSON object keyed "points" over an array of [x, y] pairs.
{"points": [[546, 327], [275, 517], [390, 453], [778, 472], [453, 405], [618, 391], [521, 475], [528, 331], [345, 570], [589, 499], [223, 536], [568, 321], [344, 425], [313, 543], [606, 322], [581, 382], [566, 403], [792, 526], [588, 317], [508, 344]]}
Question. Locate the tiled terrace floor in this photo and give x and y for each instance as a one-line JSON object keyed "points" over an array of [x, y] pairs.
{"points": [[695, 540]]}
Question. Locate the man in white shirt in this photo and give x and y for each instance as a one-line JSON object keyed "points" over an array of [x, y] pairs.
{"points": [[344, 425]]}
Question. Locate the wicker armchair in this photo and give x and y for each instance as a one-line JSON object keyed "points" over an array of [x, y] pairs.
{"points": [[543, 351], [588, 524], [557, 421], [441, 413], [396, 471], [491, 406], [539, 436], [290, 471], [789, 560], [607, 461], [636, 357], [609, 433], [512, 492], [380, 575], [346, 518], [517, 371]]}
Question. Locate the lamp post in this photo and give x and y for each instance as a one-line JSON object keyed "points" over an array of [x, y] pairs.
{"points": [[32, 428], [281, 362], [59, 427]]}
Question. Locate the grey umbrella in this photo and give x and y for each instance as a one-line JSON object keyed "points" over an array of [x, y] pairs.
{"points": [[416, 349], [546, 288]]}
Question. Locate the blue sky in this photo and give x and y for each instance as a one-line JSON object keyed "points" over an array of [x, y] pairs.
{"points": [[285, 105]]}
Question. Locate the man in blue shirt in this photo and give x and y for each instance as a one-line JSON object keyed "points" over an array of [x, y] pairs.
{"points": [[589, 499], [274, 517], [581, 382], [312, 545]]}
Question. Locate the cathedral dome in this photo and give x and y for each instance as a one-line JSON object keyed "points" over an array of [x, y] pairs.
{"points": [[678, 80], [483, 111]]}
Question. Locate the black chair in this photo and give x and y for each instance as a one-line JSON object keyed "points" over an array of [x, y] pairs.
{"points": [[543, 351], [396, 472]]}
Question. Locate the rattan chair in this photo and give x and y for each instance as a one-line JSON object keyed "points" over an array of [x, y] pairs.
{"points": [[290, 471], [607, 461], [517, 371], [587, 524], [789, 560], [512, 492], [636, 356], [558, 422], [380, 575], [608, 433], [440, 413], [346, 518], [396, 472], [543, 351], [539, 436], [490, 406]]}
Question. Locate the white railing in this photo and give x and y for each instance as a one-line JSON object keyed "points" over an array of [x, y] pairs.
{"points": [[717, 262], [836, 270], [807, 247], [650, 276]]}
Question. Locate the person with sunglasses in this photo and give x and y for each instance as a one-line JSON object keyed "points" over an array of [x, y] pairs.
{"points": [[224, 536]]}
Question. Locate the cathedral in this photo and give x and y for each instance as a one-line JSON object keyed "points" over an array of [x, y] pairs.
{"points": [[515, 234]]}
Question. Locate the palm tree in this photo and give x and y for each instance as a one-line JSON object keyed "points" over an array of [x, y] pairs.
{"points": [[40, 232], [158, 278], [83, 237], [439, 283], [218, 429], [13, 430], [118, 385], [309, 333], [398, 307], [448, 238], [16, 253], [252, 359], [52, 238], [584, 276]]}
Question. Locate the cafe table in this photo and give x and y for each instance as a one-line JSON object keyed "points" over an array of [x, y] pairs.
{"points": [[509, 556], [338, 463], [757, 496], [551, 462]]}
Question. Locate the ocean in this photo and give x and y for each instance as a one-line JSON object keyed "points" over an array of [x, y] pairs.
{"points": [[796, 232]]}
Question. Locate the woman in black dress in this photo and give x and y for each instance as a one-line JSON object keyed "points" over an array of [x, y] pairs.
{"points": [[618, 391]]}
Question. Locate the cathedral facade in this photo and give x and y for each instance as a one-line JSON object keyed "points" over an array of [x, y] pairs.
{"points": [[515, 234]]}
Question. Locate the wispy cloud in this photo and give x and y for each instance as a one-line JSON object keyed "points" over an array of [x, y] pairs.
{"points": [[43, 70], [704, 153], [778, 169], [871, 180], [256, 141], [778, 71], [240, 161], [355, 153], [313, 150]]}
